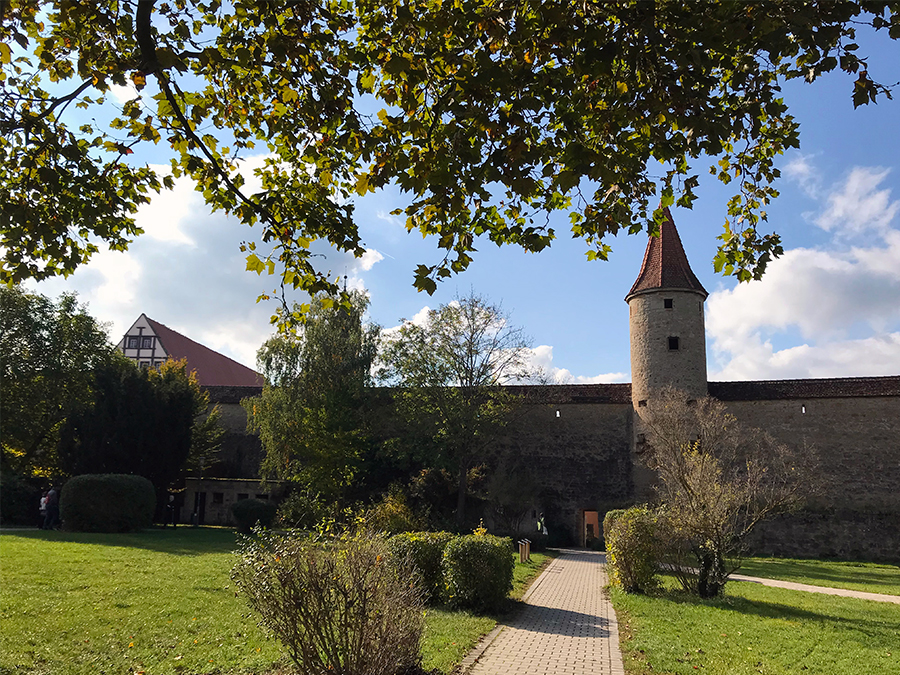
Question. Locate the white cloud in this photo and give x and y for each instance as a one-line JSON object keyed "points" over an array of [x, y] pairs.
{"points": [[389, 218], [858, 205], [800, 170], [542, 358], [843, 302], [123, 93], [165, 216]]}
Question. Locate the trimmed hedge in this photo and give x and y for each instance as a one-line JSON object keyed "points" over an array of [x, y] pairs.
{"points": [[478, 571], [252, 512], [19, 500], [633, 550], [110, 502], [425, 550]]}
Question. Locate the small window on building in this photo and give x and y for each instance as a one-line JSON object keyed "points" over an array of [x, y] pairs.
{"points": [[262, 497], [692, 401], [641, 438], [557, 413], [667, 303], [145, 364], [243, 495], [673, 344], [147, 343], [132, 343], [642, 404], [803, 409], [218, 497]]}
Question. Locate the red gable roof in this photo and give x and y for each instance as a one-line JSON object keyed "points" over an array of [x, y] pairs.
{"points": [[665, 264], [213, 369]]}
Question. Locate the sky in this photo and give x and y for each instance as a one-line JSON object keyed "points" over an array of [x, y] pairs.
{"points": [[829, 307]]}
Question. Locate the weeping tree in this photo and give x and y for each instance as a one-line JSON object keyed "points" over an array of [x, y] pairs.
{"points": [[716, 480], [311, 415]]}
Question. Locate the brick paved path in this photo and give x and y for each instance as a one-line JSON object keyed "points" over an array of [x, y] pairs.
{"points": [[567, 628]]}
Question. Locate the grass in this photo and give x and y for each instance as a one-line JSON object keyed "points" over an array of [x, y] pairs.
{"points": [[856, 576], [449, 636], [159, 602], [757, 629]]}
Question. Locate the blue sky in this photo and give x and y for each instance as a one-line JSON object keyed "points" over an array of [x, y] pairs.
{"points": [[830, 307]]}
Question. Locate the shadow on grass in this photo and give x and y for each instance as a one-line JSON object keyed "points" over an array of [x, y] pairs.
{"points": [[887, 576], [187, 541], [878, 625]]}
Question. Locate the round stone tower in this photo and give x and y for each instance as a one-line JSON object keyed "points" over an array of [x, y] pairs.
{"points": [[668, 340]]}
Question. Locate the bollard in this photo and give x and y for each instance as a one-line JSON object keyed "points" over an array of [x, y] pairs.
{"points": [[528, 550], [521, 551]]}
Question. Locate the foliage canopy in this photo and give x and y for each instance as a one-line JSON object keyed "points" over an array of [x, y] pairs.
{"points": [[448, 375], [310, 415], [48, 351], [488, 115]]}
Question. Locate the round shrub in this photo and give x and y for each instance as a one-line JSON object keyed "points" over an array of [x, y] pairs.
{"points": [[252, 512], [19, 500], [425, 551], [478, 571], [632, 550], [109, 502]]}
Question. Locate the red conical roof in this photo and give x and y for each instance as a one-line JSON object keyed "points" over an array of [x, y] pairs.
{"points": [[665, 265]]}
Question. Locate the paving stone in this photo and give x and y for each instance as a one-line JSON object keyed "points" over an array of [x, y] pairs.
{"points": [[567, 627]]}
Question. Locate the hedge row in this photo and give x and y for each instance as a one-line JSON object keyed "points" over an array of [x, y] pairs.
{"points": [[468, 572]]}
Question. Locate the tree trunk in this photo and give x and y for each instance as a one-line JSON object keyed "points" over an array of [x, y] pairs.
{"points": [[710, 575], [462, 489]]}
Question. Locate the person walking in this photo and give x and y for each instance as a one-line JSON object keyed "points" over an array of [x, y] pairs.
{"points": [[51, 519]]}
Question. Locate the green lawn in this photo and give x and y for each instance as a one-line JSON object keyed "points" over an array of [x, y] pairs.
{"points": [[757, 629], [856, 576], [159, 601]]}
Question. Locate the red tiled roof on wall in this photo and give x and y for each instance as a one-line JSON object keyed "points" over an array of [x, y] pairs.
{"points": [[838, 387], [665, 264], [213, 369]]}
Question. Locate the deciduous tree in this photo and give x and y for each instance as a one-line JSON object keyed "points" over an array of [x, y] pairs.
{"points": [[716, 481], [310, 416], [448, 375], [488, 115], [48, 352]]}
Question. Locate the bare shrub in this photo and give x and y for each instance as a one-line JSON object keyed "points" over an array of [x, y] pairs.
{"points": [[343, 607], [716, 481]]}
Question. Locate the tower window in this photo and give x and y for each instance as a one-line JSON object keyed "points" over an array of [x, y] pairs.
{"points": [[642, 404], [673, 344], [667, 303]]}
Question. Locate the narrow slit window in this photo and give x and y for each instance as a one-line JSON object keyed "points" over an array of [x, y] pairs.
{"points": [[803, 409], [642, 404], [673, 344], [668, 303]]}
